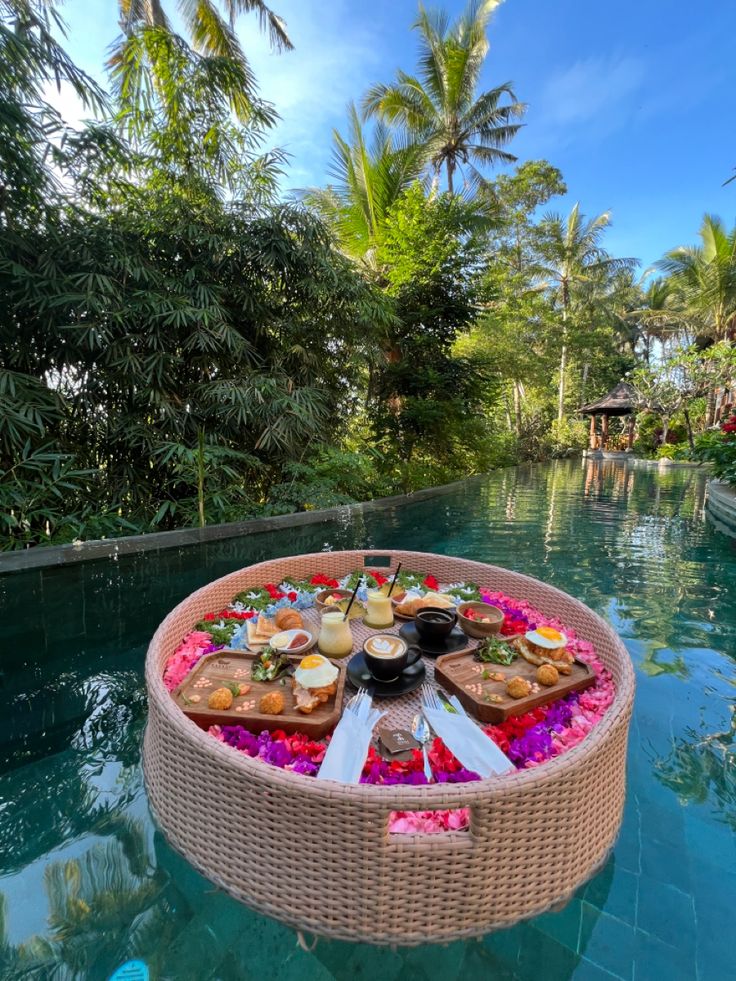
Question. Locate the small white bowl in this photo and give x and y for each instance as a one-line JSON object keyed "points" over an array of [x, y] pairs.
{"points": [[281, 641]]}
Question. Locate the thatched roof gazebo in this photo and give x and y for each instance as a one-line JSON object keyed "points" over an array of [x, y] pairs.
{"points": [[620, 401]]}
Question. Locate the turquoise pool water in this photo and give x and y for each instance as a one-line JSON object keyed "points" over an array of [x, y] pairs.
{"points": [[87, 881]]}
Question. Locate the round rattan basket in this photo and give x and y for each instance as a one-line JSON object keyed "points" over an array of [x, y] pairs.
{"points": [[319, 856]]}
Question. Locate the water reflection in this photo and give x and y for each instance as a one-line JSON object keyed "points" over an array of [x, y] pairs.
{"points": [[88, 882]]}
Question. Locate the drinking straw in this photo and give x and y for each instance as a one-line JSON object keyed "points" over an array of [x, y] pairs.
{"points": [[393, 581], [355, 593]]}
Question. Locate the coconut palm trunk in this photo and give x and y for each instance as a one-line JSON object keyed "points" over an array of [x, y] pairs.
{"points": [[563, 353]]}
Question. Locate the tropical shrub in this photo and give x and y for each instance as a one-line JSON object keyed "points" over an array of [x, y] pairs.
{"points": [[328, 476], [719, 448], [568, 436]]}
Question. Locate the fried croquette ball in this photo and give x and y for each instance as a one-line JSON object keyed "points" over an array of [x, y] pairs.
{"points": [[547, 674], [272, 703], [221, 698], [518, 687]]}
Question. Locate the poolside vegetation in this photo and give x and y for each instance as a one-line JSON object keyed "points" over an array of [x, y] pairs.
{"points": [[183, 341]]}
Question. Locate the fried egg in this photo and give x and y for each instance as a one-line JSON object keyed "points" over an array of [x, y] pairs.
{"points": [[546, 637], [315, 671]]}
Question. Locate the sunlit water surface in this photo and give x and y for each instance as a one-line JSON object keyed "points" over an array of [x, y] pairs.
{"points": [[87, 881]]}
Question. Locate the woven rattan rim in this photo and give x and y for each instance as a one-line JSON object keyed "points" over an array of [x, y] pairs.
{"points": [[395, 797]]}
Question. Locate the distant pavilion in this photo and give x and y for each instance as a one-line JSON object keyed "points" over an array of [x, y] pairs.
{"points": [[620, 401]]}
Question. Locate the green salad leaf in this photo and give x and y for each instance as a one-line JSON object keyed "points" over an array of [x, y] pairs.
{"points": [[495, 651], [270, 665]]}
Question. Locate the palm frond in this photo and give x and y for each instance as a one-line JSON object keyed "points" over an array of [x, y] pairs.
{"points": [[267, 21]]}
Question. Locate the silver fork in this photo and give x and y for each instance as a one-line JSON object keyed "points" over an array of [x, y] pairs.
{"points": [[430, 697], [357, 702]]}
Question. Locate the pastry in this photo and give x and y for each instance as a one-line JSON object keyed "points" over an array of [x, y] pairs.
{"points": [[288, 619], [266, 627], [221, 699], [256, 638], [272, 703]]}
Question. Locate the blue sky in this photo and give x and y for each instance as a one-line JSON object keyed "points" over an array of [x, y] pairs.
{"points": [[634, 101]]}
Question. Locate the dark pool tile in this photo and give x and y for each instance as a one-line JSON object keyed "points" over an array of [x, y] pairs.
{"points": [[21, 594], [506, 944], [607, 942], [564, 927], [615, 891], [542, 957], [627, 850], [714, 888], [710, 840], [588, 971], [63, 590], [343, 960], [667, 913], [424, 963], [477, 962], [665, 824], [714, 958], [655, 959], [20, 641], [666, 863]]}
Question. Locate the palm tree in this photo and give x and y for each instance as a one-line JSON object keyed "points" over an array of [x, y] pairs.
{"points": [[211, 34], [440, 108], [660, 316], [370, 176], [574, 262], [703, 278]]}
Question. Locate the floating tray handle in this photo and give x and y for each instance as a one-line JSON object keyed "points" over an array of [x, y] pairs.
{"points": [[377, 561], [462, 841]]}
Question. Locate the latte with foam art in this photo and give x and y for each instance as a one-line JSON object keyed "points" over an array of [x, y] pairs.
{"points": [[385, 646]]}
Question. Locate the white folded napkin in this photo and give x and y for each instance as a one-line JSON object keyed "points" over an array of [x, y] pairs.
{"points": [[348, 747], [471, 746]]}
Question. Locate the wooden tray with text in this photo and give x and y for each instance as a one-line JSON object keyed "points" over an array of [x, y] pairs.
{"points": [[234, 667], [463, 676]]}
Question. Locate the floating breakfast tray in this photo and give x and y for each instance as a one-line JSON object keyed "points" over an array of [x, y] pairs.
{"points": [[462, 675], [234, 667]]}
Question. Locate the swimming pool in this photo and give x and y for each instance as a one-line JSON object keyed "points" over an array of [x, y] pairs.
{"points": [[88, 881]]}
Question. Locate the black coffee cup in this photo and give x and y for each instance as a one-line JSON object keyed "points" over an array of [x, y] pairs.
{"points": [[434, 622], [386, 656]]}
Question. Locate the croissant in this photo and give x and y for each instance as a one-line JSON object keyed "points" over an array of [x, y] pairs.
{"points": [[409, 608], [287, 619]]}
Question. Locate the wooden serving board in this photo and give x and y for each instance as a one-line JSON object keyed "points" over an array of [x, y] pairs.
{"points": [[462, 675], [215, 670]]}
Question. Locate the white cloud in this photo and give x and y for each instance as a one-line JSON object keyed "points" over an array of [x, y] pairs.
{"points": [[590, 99], [332, 61]]}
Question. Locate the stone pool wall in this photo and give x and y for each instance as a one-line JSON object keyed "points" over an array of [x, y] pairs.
{"points": [[721, 506]]}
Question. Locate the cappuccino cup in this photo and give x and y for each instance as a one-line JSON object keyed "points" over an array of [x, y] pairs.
{"points": [[386, 656]]}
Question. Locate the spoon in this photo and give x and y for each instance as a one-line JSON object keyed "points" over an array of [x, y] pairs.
{"points": [[420, 731]]}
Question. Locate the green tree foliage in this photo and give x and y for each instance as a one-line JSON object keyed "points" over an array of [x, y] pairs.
{"points": [[440, 107], [426, 402], [704, 278], [177, 347], [577, 267], [370, 175], [165, 349], [140, 64], [514, 326]]}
